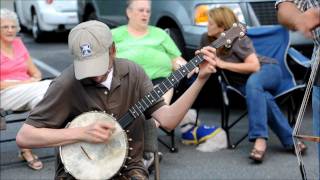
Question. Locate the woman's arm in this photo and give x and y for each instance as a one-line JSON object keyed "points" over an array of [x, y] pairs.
{"points": [[33, 71], [6, 84], [250, 65], [180, 61]]}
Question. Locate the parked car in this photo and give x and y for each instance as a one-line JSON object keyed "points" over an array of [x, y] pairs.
{"points": [[185, 20], [42, 16]]}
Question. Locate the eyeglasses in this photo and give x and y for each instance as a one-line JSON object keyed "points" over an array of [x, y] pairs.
{"points": [[8, 27]]}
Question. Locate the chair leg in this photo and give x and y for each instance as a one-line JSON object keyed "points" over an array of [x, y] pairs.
{"points": [[234, 145], [225, 122], [172, 147], [293, 112], [225, 112], [173, 143], [3, 123], [156, 166], [197, 116]]}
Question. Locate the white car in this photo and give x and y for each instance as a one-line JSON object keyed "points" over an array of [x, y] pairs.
{"points": [[46, 15]]}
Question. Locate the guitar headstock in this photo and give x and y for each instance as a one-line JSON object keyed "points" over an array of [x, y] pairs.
{"points": [[226, 38]]}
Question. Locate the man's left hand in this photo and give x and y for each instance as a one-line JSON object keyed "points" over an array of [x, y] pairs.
{"points": [[208, 66]]}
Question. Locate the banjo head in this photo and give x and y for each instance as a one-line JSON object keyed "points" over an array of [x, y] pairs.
{"points": [[95, 161]]}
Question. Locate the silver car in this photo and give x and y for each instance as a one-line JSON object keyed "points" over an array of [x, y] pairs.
{"points": [[185, 20], [46, 15]]}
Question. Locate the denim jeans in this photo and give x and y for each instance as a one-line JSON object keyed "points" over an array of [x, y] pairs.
{"points": [[316, 115], [262, 108]]}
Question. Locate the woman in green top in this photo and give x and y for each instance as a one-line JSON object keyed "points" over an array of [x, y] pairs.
{"points": [[154, 50], [149, 46]]}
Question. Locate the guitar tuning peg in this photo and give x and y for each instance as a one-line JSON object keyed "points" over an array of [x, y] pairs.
{"points": [[227, 45]]}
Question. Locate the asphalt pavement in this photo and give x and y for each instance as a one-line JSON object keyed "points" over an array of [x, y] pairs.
{"points": [[187, 163]]}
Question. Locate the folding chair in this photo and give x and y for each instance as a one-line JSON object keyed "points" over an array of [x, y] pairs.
{"points": [[270, 41]]}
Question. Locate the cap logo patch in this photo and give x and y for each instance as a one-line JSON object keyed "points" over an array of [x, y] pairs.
{"points": [[85, 50]]}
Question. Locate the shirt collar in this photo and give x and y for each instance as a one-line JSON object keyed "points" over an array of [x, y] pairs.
{"points": [[119, 70], [107, 82]]}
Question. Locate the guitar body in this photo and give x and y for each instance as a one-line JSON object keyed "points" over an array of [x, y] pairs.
{"points": [[95, 161]]}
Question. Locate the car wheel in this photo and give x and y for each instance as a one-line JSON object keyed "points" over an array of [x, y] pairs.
{"points": [[176, 36], [22, 27], [37, 33]]}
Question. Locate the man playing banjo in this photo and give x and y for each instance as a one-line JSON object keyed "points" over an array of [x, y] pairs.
{"points": [[97, 81]]}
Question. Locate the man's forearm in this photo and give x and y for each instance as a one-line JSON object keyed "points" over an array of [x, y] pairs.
{"points": [[31, 137], [170, 116], [288, 15]]}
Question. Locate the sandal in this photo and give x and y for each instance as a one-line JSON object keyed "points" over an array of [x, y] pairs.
{"points": [[31, 163], [257, 155]]}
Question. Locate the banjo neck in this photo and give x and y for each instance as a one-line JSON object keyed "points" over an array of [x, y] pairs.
{"points": [[153, 96], [226, 38]]}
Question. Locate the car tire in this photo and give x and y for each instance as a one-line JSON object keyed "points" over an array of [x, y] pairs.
{"points": [[22, 27], [176, 36], [37, 33]]}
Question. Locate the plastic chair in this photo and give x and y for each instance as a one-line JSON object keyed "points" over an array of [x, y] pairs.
{"points": [[270, 41]]}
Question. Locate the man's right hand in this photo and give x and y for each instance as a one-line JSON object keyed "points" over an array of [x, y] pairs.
{"points": [[98, 132]]}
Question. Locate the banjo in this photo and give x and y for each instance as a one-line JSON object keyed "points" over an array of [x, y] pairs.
{"points": [[103, 161]]}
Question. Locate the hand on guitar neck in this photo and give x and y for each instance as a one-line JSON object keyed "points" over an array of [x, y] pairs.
{"points": [[208, 66]]}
